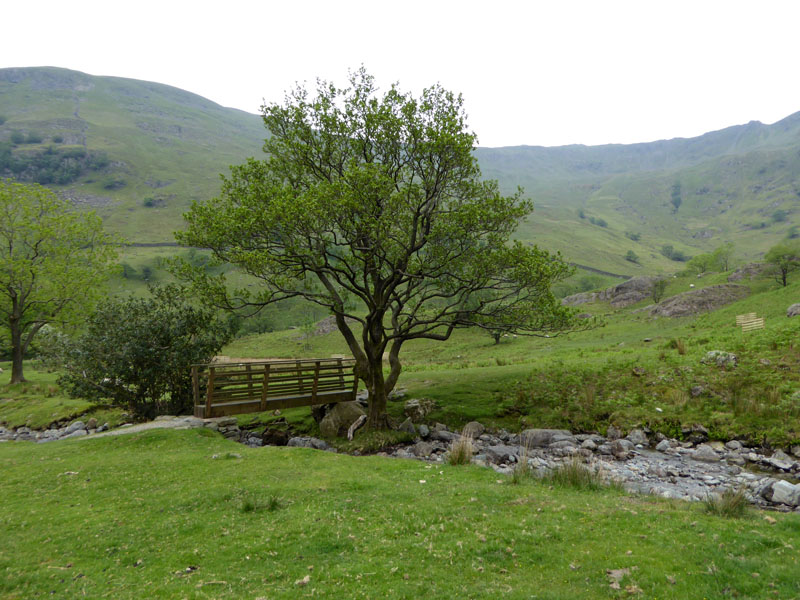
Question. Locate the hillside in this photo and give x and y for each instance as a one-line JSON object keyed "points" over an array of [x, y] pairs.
{"points": [[141, 152]]}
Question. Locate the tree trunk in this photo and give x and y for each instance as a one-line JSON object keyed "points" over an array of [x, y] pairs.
{"points": [[16, 352], [376, 415]]}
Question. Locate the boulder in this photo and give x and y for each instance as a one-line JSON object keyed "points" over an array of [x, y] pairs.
{"points": [[424, 431], [637, 436], [780, 460], [418, 408], [473, 429], [339, 418], [308, 442], [442, 435], [705, 453], [76, 426], [663, 446], [422, 449], [408, 427], [275, 437], [501, 454], [91, 423], [540, 438], [784, 492], [793, 310], [626, 293], [719, 358], [612, 433]]}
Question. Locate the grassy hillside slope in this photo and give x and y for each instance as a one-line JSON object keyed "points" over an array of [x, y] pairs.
{"points": [[164, 147]]}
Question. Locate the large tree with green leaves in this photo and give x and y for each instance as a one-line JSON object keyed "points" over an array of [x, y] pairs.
{"points": [[53, 259], [784, 258], [373, 206]]}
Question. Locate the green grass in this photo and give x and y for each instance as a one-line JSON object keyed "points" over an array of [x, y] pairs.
{"points": [[152, 515], [40, 402]]}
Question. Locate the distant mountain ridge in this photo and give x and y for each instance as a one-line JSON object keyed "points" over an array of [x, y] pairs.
{"points": [[141, 152]]}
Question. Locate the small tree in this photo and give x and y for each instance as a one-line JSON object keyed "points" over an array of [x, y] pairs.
{"points": [[784, 259], [138, 352], [54, 261], [675, 196], [378, 198], [722, 256], [631, 256], [659, 287]]}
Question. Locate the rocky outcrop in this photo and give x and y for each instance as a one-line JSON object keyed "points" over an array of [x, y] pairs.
{"points": [[793, 310], [340, 418], [698, 301], [748, 271], [626, 293]]}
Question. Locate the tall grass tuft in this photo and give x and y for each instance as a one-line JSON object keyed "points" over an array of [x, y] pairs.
{"points": [[575, 474], [523, 472], [731, 504], [460, 452]]}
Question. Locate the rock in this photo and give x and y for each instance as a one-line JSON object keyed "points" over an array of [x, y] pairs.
{"points": [[422, 449], [720, 358], [696, 390], [589, 445], [563, 444], [637, 436], [748, 271], [76, 426], [733, 445], [705, 453], [226, 421], [444, 435], [91, 423], [621, 449], [612, 433], [696, 434], [540, 438], [103, 427], [702, 300], [663, 446], [780, 460], [717, 446], [796, 451], [340, 418], [501, 454], [793, 310], [397, 395], [76, 433], [308, 442], [408, 427], [784, 492], [473, 429], [424, 431], [275, 437], [639, 371], [626, 293], [418, 408]]}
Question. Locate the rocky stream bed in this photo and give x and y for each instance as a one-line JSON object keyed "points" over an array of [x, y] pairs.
{"points": [[642, 462]]}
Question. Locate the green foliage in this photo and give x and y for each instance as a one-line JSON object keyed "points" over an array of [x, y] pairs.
{"points": [[672, 254], [598, 221], [17, 137], [575, 474], [793, 233], [675, 196], [54, 259], [50, 165], [784, 258], [659, 287], [718, 260], [374, 208], [3, 119], [635, 237], [138, 352], [631, 256], [149, 202], [58, 139], [779, 216]]}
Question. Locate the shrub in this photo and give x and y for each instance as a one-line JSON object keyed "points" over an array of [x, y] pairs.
{"points": [[460, 450], [631, 256], [17, 137], [659, 287], [635, 237], [57, 139], [731, 504], [779, 216], [575, 474], [138, 352]]}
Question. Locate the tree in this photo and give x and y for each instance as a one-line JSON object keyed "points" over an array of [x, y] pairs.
{"points": [[784, 259], [675, 196], [631, 256], [722, 256], [373, 207], [659, 287], [138, 352], [54, 260]]}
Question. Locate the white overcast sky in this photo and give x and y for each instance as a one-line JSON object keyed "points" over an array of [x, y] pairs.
{"points": [[535, 73]]}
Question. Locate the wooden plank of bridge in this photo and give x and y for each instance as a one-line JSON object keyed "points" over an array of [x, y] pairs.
{"points": [[264, 388], [209, 390], [315, 385]]}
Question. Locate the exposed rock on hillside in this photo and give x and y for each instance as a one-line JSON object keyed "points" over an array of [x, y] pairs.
{"points": [[793, 310], [748, 271], [626, 293], [697, 301]]}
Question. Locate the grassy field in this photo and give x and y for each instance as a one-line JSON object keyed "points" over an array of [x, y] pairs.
{"points": [[156, 515]]}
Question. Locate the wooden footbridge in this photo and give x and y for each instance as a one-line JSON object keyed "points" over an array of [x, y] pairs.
{"points": [[222, 389]]}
